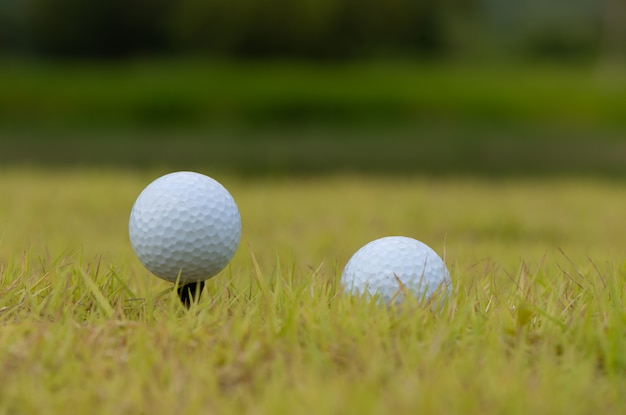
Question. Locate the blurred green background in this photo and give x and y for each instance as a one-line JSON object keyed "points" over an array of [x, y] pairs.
{"points": [[483, 87]]}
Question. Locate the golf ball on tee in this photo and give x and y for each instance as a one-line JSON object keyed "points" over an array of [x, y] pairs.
{"points": [[383, 266], [186, 224]]}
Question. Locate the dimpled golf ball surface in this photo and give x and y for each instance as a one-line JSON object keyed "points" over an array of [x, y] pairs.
{"points": [[185, 223], [376, 267]]}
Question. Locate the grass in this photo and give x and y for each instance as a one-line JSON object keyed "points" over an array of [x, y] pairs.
{"points": [[282, 118], [535, 323], [429, 150], [184, 94]]}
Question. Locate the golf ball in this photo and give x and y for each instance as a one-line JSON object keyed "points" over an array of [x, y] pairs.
{"points": [[186, 224], [382, 267]]}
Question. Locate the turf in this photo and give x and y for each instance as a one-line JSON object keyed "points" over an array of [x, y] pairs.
{"points": [[283, 118], [449, 150], [535, 323], [179, 93]]}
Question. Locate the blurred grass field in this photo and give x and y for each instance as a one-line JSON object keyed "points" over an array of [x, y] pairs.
{"points": [[536, 317], [200, 93], [296, 118]]}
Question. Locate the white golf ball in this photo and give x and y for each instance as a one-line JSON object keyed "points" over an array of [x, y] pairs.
{"points": [[382, 267], [185, 224]]}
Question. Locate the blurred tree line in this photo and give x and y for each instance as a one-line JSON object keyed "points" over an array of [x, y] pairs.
{"points": [[310, 29]]}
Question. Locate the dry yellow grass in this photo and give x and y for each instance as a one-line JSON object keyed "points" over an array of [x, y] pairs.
{"points": [[535, 324]]}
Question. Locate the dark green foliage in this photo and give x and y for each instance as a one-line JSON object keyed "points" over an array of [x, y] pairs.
{"points": [[243, 28], [98, 28], [304, 29]]}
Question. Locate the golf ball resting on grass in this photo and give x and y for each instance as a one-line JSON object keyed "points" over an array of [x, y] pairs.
{"points": [[185, 227], [393, 266]]}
